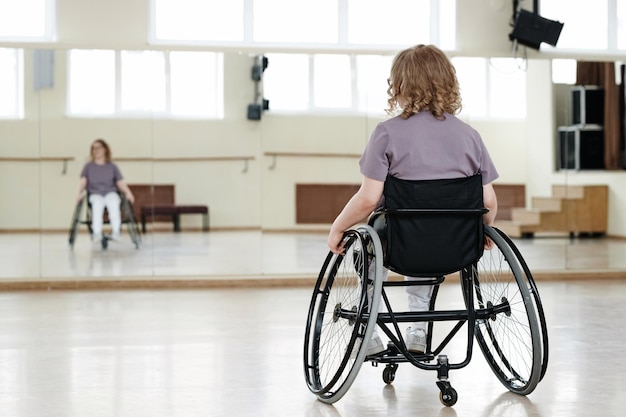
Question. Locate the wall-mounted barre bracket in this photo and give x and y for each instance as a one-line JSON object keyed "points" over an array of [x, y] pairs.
{"points": [[64, 159], [273, 165]]}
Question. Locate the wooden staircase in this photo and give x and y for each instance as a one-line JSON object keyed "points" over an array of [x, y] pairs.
{"points": [[573, 209]]}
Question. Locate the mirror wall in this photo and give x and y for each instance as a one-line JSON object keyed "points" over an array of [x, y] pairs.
{"points": [[246, 172]]}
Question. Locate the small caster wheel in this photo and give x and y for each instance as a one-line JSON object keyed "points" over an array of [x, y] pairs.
{"points": [[105, 242], [448, 397], [389, 373]]}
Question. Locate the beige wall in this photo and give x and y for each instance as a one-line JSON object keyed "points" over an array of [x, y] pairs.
{"points": [[259, 194]]}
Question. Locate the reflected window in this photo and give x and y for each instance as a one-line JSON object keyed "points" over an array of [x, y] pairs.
{"points": [[196, 84], [494, 88], [286, 82], [491, 88], [142, 78], [332, 82], [91, 82], [336, 82], [11, 83], [372, 72], [564, 71], [27, 20], [105, 83]]}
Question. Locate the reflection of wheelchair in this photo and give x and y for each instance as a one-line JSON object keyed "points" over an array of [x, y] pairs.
{"points": [[440, 234], [128, 218]]}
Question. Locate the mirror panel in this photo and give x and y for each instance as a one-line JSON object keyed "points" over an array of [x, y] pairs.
{"points": [[247, 173], [20, 181]]}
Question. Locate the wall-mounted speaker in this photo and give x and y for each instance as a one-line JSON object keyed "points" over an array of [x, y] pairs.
{"points": [[531, 30], [254, 111]]}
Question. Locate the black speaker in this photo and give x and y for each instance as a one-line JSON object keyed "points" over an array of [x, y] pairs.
{"points": [[530, 29], [581, 147], [587, 105], [254, 111]]}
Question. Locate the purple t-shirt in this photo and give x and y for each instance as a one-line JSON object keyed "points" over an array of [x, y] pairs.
{"points": [[423, 147], [101, 179]]}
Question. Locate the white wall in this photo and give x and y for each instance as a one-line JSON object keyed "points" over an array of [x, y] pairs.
{"points": [[256, 195]]}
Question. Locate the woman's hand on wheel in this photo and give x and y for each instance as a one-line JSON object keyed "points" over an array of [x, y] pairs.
{"points": [[336, 243]]}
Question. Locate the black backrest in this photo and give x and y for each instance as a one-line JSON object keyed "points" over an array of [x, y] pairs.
{"points": [[433, 227]]}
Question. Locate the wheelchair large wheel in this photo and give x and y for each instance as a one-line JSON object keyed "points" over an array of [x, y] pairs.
{"points": [[511, 338], [75, 222], [133, 229], [342, 316], [532, 287]]}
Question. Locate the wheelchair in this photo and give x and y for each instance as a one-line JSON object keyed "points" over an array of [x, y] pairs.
{"points": [[128, 218], [437, 237]]}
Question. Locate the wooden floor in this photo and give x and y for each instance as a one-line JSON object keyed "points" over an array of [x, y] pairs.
{"points": [[237, 352]]}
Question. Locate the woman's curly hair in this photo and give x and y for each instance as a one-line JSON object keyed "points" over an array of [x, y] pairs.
{"points": [[423, 78]]}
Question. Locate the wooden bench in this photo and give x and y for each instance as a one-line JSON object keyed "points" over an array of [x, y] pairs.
{"points": [[155, 202]]}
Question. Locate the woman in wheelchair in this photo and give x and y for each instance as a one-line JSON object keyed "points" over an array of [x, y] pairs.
{"points": [[424, 140], [102, 180]]}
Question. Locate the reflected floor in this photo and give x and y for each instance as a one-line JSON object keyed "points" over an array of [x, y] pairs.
{"points": [[249, 254], [238, 353]]}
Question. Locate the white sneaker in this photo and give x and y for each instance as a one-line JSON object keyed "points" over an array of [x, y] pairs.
{"points": [[416, 340], [374, 347], [115, 237], [96, 237]]}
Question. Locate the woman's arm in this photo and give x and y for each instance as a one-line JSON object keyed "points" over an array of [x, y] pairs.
{"points": [[357, 209], [491, 202], [82, 184], [123, 187]]}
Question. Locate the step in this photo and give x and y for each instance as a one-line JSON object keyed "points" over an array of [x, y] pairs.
{"points": [[547, 203], [514, 229], [526, 216], [569, 191]]}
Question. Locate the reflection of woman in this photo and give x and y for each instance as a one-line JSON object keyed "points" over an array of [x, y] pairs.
{"points": [[102, 179]]}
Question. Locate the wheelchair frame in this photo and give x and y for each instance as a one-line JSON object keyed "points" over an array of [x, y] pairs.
{"points": [[497, 290], [128, 218]]}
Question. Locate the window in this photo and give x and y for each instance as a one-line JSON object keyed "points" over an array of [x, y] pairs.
{"points": [[597, 25], [11, 83], [301, 26], [375, 22], [27, 20], [585, 25], [339, 24], [197, 20], [621, 24], [104, 83]]}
